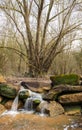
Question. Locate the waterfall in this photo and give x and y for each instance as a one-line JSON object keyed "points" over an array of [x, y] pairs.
{"points": [[30, 102], [43, 107], [15, 104], [28, 106]]}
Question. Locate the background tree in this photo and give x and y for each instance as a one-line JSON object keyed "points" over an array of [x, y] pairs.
{"points": [[41, 32]]}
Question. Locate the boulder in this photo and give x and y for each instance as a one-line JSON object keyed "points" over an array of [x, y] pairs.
{"points": [[24, 94], [2, 109], [55, 109], [59, 90], [71, 79], [42, 107], [36, 86], [75, 98], [7, 91]]}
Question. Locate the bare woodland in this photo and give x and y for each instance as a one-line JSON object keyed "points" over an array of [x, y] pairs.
{"points": [[40, 37]]}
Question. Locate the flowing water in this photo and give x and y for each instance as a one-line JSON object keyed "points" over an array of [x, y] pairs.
{"points": [[15, 120]]}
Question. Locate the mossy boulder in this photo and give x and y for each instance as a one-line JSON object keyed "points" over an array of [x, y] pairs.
{"points": [[7, 91], [23, 94], [71, 79], [36, 101]]}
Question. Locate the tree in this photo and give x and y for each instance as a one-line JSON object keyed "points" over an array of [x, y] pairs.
{"points": [[36, 21]]}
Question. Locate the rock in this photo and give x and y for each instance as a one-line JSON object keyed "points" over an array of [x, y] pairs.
{"points": [[36, 101], [1, 98], [8, 104], [36, 86], [55, 109], [7, 91], [42, 108], [72, 110], [24, 94], [50, 95], [2, 109], [2, 79], [71, 98], [61, 89], [71, 79]]}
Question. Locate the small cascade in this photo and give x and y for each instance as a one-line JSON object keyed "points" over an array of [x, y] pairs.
{"points": [[43, 108], [29, 105], [15, 104]]}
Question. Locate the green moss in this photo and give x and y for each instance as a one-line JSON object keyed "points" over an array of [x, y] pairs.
{"points": [[7, 91], [71, 79], [36, 101], [23, 94]]}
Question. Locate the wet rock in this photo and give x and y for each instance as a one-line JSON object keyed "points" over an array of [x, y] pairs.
{"points": [[42, 108], [8, 104], [71, 98], [2, 109], [72, 110], [55, 109], [7, 91], [24, 94], [36, 101]]}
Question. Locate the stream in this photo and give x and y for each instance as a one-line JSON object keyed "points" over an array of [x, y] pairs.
{"points": [[27, 119]]}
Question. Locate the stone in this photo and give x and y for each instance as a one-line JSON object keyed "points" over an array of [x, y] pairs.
{"points": [[55, 109], [1, 98], [71, 79], [2, 109], [24, 94], [7, 91], [9, 103], [2, 79], [74, 98], [36, 86], [42, 107], [59, 90], [72, 110]]}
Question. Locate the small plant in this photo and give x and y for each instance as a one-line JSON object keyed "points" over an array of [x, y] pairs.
{"points": [[71, 79]]}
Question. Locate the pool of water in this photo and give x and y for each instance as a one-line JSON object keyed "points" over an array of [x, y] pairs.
{"points": [[27, 121]]}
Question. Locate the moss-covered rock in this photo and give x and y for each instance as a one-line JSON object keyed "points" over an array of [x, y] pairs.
{"points": [[23, 94], [71, 79], [7, 91], [36, 101]]}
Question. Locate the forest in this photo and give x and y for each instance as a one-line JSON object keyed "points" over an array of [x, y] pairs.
{"points": [[40, 37]]}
